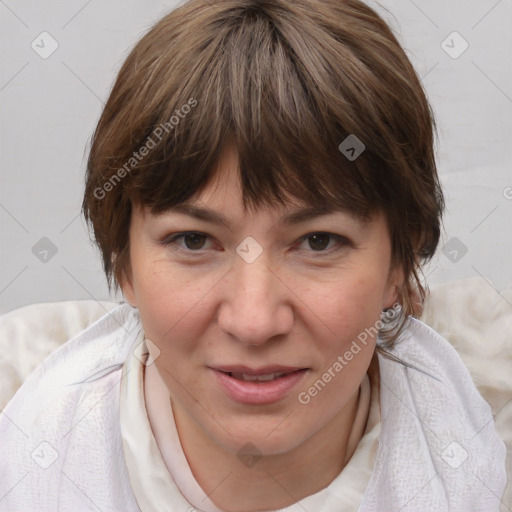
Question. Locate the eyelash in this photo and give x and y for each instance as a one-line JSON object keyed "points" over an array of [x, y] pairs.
{"points": [[171, 241]]}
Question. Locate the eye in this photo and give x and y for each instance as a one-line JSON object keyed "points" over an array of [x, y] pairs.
{"points": [[195, 241], [192, 241], [319, 242]]}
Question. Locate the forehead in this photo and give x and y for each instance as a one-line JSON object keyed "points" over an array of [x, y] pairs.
{"points": [[288, 216], [221, 200]]}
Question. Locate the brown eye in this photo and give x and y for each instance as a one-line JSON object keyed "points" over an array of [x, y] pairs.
{"points": [[319, 241], [191, 241], [324, 243], [194, 241]]}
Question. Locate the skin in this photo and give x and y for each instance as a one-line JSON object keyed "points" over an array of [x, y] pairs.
{"points": [[206, 306]]}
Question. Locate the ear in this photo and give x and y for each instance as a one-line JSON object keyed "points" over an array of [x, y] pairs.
{"points": [[127, 288], [395, 281]]}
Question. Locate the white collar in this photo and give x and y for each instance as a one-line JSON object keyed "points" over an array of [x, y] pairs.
{"points": [[156, 483], [434, 453]]}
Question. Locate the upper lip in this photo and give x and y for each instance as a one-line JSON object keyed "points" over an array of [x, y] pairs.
{"points": [[262, 370]]}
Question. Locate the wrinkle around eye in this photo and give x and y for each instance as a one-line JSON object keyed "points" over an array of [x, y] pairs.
{"points": [[339, 241], [335, 243], [171, 241]]}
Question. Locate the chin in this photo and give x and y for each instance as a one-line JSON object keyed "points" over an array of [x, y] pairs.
{"points": [[262, 434]]}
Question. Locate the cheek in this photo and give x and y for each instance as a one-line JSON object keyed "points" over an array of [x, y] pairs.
{"points": [[349, 310], [346, 350], [172, 303], [345, 342], [349, 302]]}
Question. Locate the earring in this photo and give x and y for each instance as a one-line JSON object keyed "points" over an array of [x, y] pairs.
{"points": [[389, 315]]}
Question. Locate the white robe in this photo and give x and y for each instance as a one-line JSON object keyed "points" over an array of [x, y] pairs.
{"points": [[76, 435]]}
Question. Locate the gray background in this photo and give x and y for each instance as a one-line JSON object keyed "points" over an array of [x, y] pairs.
{"points": [[49, 108]]}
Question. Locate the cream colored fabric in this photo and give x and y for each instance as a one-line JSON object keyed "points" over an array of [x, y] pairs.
{"points": [[62, 444], [30, 333], [60, 439], [469, 313], [175, 469], [477, 321], [167, 446]]}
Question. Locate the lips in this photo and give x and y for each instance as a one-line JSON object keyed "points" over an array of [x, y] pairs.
{"points": [[262, 374], [259, 378], [262, 385], [262, 370]]}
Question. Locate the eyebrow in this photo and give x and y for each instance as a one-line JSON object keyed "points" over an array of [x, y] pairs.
{"points": [[295, 217]]}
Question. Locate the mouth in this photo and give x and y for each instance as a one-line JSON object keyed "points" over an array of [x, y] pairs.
{"points": [[258, 385], [259, 378], [261, 374]]}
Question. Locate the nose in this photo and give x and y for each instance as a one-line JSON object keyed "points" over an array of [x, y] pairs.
{"points": [[257, 304]]}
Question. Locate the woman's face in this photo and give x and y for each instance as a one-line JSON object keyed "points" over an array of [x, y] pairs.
{"points": [[264, 326]]}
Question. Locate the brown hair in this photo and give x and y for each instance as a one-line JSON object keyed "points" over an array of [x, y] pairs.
{"points": [[287, 81]]}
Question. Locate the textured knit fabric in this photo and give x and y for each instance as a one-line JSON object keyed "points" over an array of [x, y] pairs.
{"points": [[64, 447], [176, 469]]}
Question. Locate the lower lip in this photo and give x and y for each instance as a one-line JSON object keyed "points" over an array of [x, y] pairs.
{"points": [[254, 392]]}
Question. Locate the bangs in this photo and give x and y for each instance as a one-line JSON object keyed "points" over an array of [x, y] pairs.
{"points": [[318, 99], [255, 86]]}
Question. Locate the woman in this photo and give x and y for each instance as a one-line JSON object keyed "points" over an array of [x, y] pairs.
{"points": [[263, 189]]}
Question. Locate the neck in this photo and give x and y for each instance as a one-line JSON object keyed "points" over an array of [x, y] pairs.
{"points": [[272, 481]]}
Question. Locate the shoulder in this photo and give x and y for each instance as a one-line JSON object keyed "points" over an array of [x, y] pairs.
{"points": [[65, 415], [424, 348], [85, 359], [425, 370], [437, 432], [29, 334]]}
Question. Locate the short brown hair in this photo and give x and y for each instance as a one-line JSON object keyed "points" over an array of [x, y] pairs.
{"points": [[288, 81]]}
